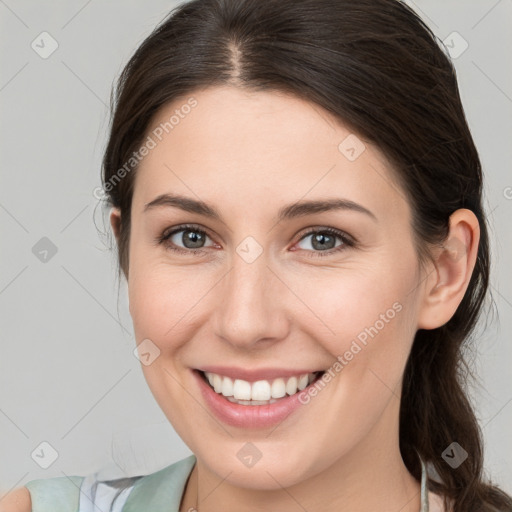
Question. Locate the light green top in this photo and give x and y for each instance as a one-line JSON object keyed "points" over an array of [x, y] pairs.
{"points": [[157, 492]]}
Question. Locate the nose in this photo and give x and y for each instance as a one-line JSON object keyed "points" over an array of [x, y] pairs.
{"points": [[252, 302]]}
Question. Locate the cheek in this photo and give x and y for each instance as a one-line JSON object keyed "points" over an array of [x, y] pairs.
{"points": [[364, 306], [161, 304], [372, 314], [163, 300], [373, 318]]}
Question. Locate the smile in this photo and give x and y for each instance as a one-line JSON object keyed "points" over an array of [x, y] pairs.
{"points": [[254, 402], [261, 392]]}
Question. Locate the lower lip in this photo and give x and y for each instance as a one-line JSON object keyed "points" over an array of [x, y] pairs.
{"points": [[248, 416]]}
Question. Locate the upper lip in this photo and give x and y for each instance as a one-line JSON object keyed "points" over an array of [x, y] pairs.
{"points": [[253, 375]]}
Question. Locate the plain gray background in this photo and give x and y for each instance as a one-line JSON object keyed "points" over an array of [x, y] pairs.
{"points": [[68, 375]]}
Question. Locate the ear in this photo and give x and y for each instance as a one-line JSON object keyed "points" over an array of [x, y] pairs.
{"points": [[115, 222], [447, 282]]}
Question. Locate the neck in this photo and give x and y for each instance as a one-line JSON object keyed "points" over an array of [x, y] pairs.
{"points": [[372, 476]]}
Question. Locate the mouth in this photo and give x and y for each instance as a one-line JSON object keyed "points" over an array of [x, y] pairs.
{"points": [[258, 392], [253, 403]]}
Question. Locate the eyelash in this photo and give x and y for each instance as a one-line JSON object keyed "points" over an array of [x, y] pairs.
{"points": [[347, 240]]}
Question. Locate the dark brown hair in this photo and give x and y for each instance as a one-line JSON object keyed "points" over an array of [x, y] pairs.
{"points": [[380, 70]]}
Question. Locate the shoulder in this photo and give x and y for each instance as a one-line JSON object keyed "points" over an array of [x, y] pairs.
{"points": [[16, 501], [162, 490], [155, 491], [55, 494]]}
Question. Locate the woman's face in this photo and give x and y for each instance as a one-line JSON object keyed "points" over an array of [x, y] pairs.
{"points": [[272, 284]]}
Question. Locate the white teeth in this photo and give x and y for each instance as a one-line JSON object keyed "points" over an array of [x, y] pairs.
{"points": [[251, 402], [217, 383], [303, 382], [279, 388], [291, 385], [227, 386], [261, 392], [242, 390]]}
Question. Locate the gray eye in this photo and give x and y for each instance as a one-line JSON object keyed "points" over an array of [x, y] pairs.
{"points": [[321, 241], [190, 238]]}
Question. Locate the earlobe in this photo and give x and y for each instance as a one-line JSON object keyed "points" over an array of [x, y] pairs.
{"points": [[454, 263]]}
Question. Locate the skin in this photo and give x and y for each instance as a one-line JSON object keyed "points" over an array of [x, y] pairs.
{"points": [[284, 309], [248, 154], [17, 500]]}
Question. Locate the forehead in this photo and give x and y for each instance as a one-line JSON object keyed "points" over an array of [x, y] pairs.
{"points": [[261, 148]]}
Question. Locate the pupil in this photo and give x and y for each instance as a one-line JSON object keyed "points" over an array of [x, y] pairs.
{"points": [[322, 242], [192, 239]]}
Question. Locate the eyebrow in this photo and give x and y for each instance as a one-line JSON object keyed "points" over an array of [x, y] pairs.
{"points": [[291, 211]]}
